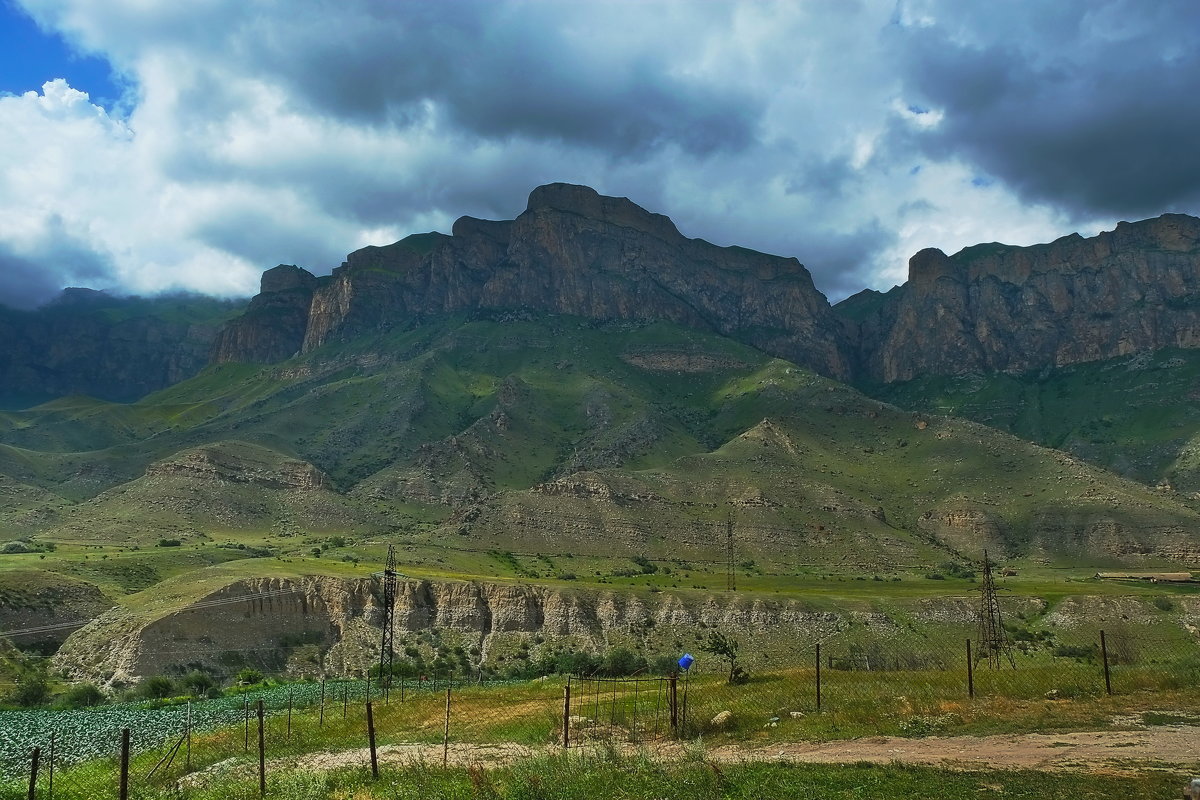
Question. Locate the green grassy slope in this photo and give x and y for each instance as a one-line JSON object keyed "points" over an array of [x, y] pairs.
{"points": [[555, 434], [1138, 415]]}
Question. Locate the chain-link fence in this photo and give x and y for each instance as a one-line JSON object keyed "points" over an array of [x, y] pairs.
{"points": [[839, 688]]}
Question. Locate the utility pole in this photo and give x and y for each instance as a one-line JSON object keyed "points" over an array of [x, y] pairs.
{"points": [[994, 646]]}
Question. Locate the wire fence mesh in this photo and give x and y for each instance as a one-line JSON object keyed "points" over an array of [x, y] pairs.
{"points": [[836, 688]]}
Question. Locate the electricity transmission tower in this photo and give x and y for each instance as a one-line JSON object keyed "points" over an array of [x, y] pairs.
{"points": [[994, 646], [730, 567], [386, 648]]}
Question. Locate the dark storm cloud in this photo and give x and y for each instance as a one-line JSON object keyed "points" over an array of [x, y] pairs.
{"points": [[1090, 107], [495, 70], [841, 262], [28, 281]]}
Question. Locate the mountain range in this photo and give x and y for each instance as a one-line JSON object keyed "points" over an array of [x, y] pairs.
{"points": [[583, 395], [581, 373]]}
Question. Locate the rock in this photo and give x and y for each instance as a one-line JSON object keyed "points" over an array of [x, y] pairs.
{"points": [[995, 307], [573, 251], [273, 326], [722, 719], [796, 714], [1053, 694], [113, 348]]}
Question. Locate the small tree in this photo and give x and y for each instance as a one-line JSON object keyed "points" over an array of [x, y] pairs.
{"points": [[727, 648]]}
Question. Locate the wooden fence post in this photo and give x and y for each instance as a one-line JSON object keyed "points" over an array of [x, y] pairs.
{"points": [[1104, 657], [246, 736], [446, 733], [50, 771], [289, 720], [123, 787], [970, 672], [322, 723], [567, 714], [371, 740], [33, 771], [673, 700], [262, 753]]}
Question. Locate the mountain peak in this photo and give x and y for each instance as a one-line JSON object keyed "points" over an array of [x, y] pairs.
{"points": [[587, 202]]}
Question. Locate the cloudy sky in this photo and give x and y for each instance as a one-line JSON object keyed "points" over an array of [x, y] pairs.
{"points": [[149, 146]]}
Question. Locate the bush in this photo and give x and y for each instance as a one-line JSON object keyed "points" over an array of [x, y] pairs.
{"points": [[31, 690], [198, 683], [248, 677], [82, 695], [169, 543], [1163, 603], [157, 687], [646, 565], [1079, 651], [621, 662]]}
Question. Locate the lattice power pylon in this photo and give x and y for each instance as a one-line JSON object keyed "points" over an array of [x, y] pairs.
{"points": [[993, 643], [730, 565], [387, 651]]}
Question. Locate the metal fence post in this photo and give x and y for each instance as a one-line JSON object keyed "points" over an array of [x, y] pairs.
{"points": [[188, 758], [262, 753], [970, 672], [33, 771], [567, 714], [818, 677], [123, 786], [289, 718], [50, 772], [1104, 657], [446, 733], [322, 722], [371, 740]]}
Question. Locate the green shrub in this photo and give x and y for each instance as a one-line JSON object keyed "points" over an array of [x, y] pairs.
{"points": [[31, 690], [157, 687], [82, 695], [198, 683], [248, 677]]}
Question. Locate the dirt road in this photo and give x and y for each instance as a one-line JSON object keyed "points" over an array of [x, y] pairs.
{"points": [[1166, 746], [1175, 747]]}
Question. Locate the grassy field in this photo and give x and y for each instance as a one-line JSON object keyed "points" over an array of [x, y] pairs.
{"points": [[632, 778], [1136, 415]]}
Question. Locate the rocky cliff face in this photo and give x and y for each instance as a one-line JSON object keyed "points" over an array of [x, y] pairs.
{"points": [[313, 625], [987, 308], [572, 251], [273, 326], [994, 307], [112, 348]]}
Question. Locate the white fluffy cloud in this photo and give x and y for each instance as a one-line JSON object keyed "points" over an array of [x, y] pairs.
{"points": [[268, 132]]}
